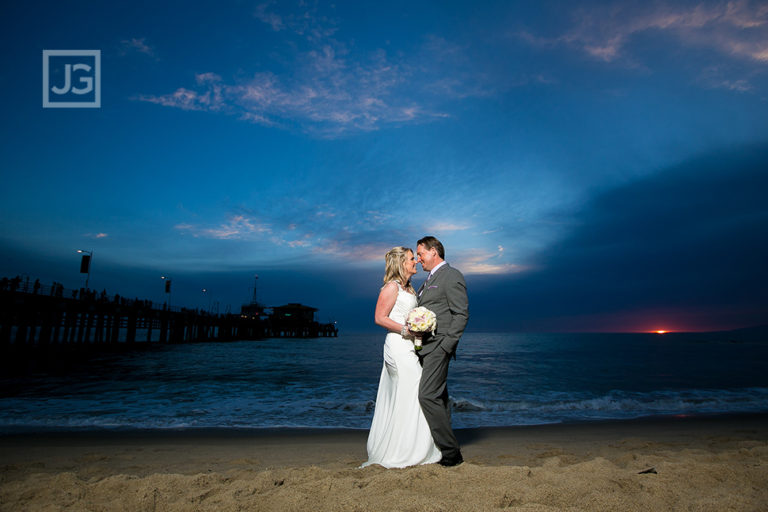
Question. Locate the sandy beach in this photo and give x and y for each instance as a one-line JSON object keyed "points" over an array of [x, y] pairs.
{"points": [[704, 463]]}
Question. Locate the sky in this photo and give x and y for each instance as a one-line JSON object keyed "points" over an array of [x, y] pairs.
{"points": [[589, 166]]}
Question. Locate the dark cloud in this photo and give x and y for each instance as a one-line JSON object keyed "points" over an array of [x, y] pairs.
{"points": [[690, 240]]}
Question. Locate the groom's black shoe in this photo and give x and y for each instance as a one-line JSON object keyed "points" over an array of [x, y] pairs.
{"points": [[453, 461]]}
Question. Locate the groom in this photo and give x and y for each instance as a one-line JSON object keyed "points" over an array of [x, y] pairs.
{"points": [[445, 293]]}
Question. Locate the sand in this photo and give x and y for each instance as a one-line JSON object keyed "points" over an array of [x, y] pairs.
{"points": [[691, 464]]}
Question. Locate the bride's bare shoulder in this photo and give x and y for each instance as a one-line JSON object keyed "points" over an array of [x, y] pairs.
{"points": [[390, 287]]}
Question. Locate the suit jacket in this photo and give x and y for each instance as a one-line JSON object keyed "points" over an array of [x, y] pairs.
{"points": [[446, 295]]}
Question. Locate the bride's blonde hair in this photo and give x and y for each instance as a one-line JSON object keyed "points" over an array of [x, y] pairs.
{"points": [[395, 267]]}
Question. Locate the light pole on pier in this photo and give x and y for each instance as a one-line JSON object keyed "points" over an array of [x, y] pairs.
{"points": [[206, 294], [255, 288], [167, 290], [85, 264]]}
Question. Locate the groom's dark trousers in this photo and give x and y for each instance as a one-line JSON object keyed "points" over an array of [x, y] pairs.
{"points": [[433, 396], [445, 293]]}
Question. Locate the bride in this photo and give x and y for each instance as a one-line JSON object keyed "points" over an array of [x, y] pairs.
{"points": [[399, 435]]}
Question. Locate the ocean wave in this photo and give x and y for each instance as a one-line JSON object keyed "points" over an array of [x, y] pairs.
{"points": [[555, 407], [350, 412]]}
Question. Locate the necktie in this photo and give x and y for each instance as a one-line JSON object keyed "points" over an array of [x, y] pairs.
{"points": [[423, 286]]}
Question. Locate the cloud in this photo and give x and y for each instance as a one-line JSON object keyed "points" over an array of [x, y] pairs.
{"points": [[274, 20], [357, 251], [376, 217], [689, 241], [328, 95], [328, 87], [721, 77], [733, 85], [96, 235], [137, 45], [480, 261], [447, 226], [737, 28], [465, 79], [236, 227], [316, 230], [306, 21], [314, 237], [211, 99]]}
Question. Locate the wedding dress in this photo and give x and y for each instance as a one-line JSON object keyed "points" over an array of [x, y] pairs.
{"points": [[400, 435]]}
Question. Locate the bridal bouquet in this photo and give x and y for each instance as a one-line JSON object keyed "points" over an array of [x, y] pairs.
{"points": [[421, 320]]}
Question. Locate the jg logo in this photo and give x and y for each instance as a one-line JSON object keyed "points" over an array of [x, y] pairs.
{"points": [[71, 78]]}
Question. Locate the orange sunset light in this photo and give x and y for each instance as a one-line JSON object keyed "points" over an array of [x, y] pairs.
{"points": [[661, 332]]}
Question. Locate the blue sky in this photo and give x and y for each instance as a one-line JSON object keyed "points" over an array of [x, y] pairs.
{"points": [[590, 166]]}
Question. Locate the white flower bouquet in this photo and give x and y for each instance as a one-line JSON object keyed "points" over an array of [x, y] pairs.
{"points": [[421, 320]]}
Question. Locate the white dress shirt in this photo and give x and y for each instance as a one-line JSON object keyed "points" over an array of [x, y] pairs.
{"points": [[435, 269]]}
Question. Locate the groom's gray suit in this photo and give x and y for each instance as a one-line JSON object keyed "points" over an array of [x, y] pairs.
{"points": [[444, 293]]}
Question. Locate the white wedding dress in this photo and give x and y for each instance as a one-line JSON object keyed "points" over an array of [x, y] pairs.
{"points": [[400, 434]]}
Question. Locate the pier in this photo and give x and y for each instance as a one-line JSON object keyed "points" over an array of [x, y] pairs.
{"points": [[296, 321], [36, 317]]}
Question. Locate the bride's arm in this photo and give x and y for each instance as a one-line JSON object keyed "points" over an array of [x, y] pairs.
{"points": [[384, 305]]}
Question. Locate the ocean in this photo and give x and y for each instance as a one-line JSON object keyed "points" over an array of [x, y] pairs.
{"points": [[497, 380]]}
